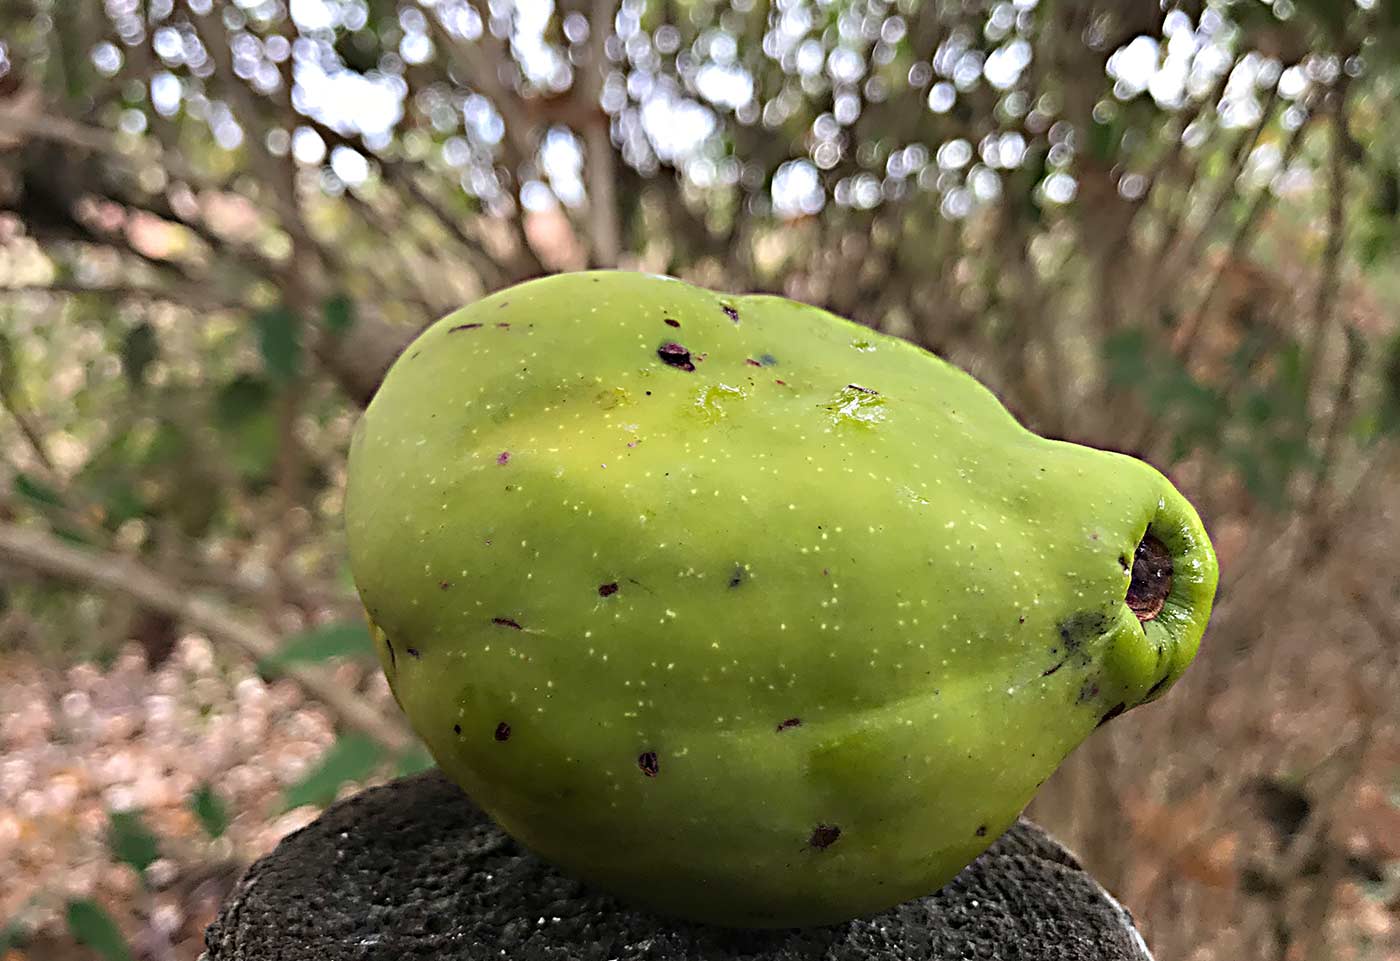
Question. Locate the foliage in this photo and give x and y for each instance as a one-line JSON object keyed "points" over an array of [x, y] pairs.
{"points": [[93, 926], [130, 841], [331, 640], [209, 810], [353, 757]]}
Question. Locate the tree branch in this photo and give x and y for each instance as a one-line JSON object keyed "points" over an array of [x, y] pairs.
{"points": [[482, 65], [600, 163], [44, 553], [1336, 228]]}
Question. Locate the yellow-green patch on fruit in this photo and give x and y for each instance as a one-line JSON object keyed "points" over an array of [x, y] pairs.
{"points": [[741, 610]]}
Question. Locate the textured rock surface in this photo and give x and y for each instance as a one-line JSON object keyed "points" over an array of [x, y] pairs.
{"points": [[415, 870]]}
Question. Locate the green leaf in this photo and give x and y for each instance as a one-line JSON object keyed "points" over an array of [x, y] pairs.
{"points": [[11, 936], [278, 341], [91, 925], [36, 491], [139, 349], [9, 368], [1123, 351], [1376, 244], [244, 411], [242, 398], [1104, 138], [209, 810], [253, 448], [1385, 198], [359, 50], [338, 312], [130, 841], [120, 504], [1390, 385], [353, 757], [345, 639], [168, 445], [1365, 428], [413, 760], [45, 497]]}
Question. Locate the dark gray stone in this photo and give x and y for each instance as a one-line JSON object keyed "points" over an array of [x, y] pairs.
{"points": [[415, 870]]}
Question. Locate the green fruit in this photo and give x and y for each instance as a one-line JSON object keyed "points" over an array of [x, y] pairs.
{"points": [[743, 611]]}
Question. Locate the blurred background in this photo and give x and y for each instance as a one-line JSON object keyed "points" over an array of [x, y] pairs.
{"points": [[1172, 230]]}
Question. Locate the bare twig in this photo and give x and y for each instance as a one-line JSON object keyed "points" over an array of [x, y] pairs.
{"points": [[184, 295], [600, 166], [1314, 842], [29, 429], [113, 572], [482, 64], [17, 122], [1185, 339], [1336, 227], [20, 123], [402, 175], [1174, 251], [247, 107], [1341, 410]]}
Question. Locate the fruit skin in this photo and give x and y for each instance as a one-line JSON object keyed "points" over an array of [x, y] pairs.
{"points": [[738, 609]]}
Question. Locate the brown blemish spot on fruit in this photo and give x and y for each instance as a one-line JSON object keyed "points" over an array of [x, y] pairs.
{"points": [[456, 729], [502, 324], [393, 658], [674, 355], [1113, 712], [444, 585], [503, 731], [503, 458], [506, 622], [1089, 691], [647, 762], [413, 652], [738, 576], [607, 590], [414, 355], [863, 390], [751, 362], [1021, 619], [824, 836], [1051, 670], [1151, 579], [782, 382], [981, 831], [1078, 629], [790, 722], [453, 330], [672, 322], [731, 312]]}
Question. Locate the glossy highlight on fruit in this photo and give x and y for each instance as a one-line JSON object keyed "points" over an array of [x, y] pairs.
{"points": [[740, 610]]}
